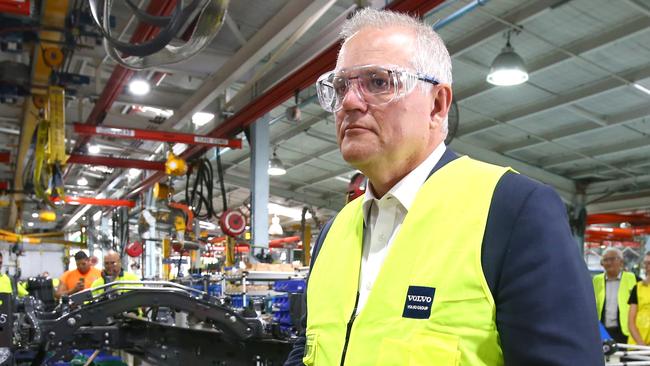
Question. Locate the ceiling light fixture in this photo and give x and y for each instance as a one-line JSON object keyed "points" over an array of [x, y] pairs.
{"points": [[275, 165], [30, 224], [508, 68], [202, 118], [642, 88], [82, 181], [275, 228], [139, 87], [34, 214], [94, 149], [133, 173]]}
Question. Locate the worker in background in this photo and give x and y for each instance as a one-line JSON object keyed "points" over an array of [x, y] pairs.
{"points": [[444, 260], [113, 271], [55, 281], [639, 313], [5, 284], [612, 289], [77, 279]]}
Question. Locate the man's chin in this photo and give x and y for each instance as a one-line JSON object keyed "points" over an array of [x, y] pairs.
{"points": [[356, 155]]}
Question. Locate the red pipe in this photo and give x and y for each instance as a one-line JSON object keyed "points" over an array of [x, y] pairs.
{"points": [[277, 243], [285, 89], [116, 162], [96, 201]]}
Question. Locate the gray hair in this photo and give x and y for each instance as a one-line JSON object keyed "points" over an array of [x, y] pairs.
{"points": [[431, 56], [616, 251]]}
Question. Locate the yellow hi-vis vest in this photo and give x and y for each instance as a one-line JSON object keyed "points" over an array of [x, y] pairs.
{"points": [[5, 286], [642, 313], [628, 280], [435, 255], [126, 276]]}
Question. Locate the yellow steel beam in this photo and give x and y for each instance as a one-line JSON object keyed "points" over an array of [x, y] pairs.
{"points": [[54, 13]]}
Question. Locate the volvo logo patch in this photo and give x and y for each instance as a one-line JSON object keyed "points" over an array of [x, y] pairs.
{"points": [[418, 302]]}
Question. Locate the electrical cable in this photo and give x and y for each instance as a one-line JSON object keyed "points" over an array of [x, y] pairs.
{"points": [[222, 185], [200, 197]]}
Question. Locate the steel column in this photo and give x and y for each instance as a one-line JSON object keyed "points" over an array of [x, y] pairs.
{"points": [[259, 184]]}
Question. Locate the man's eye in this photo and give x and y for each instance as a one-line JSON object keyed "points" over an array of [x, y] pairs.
{"points": [[379, 82], [339, 84]]}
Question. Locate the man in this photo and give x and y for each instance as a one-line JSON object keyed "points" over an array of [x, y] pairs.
{"points": [[77, 279], [6, 286], [612, 289], [113, 271], [444, 260]]}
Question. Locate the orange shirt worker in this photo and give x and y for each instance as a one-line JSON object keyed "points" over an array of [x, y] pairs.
{"points": [[78, 279]]}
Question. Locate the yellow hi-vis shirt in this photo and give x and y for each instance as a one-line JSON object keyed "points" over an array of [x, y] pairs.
{"points": [[430, 304], [643, 312]]}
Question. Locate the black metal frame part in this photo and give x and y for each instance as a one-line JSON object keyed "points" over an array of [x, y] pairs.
{"points": [[111, 317]]}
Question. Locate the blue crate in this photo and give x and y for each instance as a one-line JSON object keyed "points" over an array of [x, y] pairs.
{"points": [[213, 289], [282, 318], [291, 286], [237, 301], [280, 303]]}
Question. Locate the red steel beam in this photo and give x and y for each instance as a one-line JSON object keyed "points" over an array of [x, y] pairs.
{"points": [[5, 157], [16, 7], [116, 162], [285, 89], [634, 219], [629, 233], [4, 185], [132, 133], [122, 75], [96, 201]]}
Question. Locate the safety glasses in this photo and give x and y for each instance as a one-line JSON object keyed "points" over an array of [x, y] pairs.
{"points": [[376, 85]]}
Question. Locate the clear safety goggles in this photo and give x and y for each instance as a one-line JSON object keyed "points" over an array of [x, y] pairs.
{"points": [[376, 85]]}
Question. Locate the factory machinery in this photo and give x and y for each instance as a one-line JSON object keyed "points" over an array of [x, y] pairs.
{"points": [[162, 323]]}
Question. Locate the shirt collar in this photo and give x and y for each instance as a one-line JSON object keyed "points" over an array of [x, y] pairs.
{"points": [[406, 189], [620, 275]]}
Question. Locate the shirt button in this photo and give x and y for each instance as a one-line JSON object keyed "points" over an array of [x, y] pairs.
{"points": [[382, 237], [368, 285]]}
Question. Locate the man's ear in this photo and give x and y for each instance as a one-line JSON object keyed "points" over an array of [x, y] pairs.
{"points": [[442, 95]]}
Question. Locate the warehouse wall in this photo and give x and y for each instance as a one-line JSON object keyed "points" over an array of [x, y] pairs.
{"points": [[35, 260]]}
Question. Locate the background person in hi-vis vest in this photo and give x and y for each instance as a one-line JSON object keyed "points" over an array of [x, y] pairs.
{"points": [[639, 312], [445, 260], [6, 285], [612, 289]]}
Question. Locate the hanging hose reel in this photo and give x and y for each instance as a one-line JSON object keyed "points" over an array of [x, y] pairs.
{"points": [[232, 223], [157, 51]]}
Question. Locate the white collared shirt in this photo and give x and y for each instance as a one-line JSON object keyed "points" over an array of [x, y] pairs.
{"points": [[611, 300], [383, 218]]}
